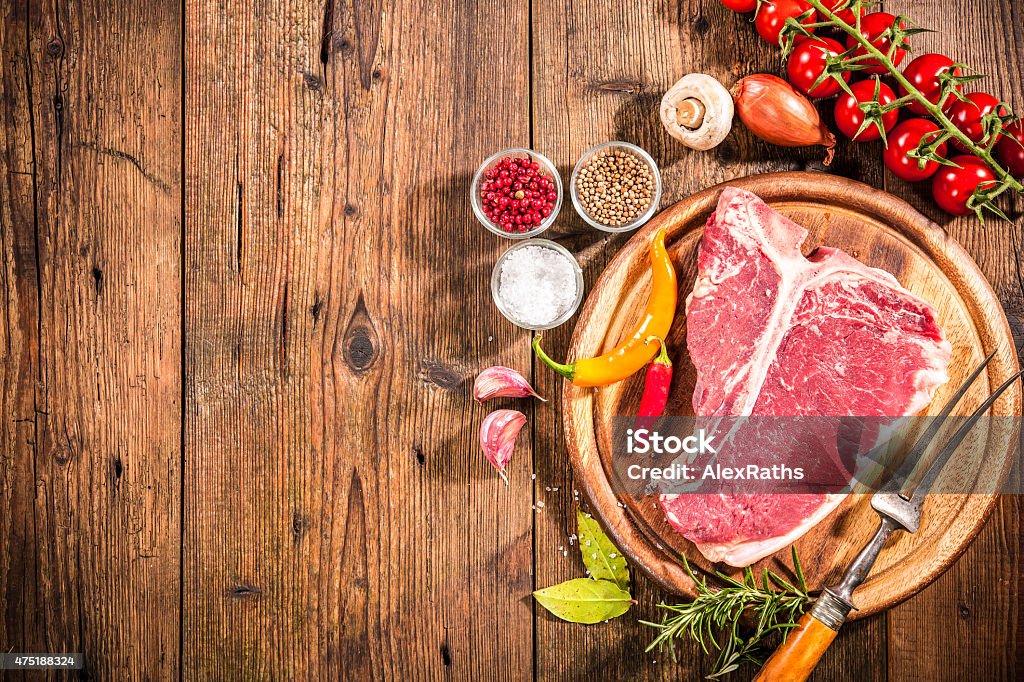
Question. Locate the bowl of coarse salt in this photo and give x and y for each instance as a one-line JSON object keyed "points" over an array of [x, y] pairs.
{"points": [[537, 284]]}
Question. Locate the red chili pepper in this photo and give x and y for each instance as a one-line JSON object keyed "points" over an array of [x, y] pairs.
{"points": [[656, 386]]}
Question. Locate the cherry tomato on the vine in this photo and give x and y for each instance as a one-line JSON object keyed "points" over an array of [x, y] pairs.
{"points": [[740, 5], [1011, 148], [849, 116], [905, 138], [923, 73], [873, 26], [844, 14], [807, 62], [966, 115], [772, 15], [952, 187]]}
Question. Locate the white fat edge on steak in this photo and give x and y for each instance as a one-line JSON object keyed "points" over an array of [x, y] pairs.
{"points": [[743, 554]]}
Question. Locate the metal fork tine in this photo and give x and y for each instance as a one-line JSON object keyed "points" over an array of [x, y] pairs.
{"points": [[951, 403], [936, 423], [913, 456], [898, 511], [940, 460]]}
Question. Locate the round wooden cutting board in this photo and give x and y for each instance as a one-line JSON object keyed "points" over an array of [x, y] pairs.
{"points": [[881, 231]]}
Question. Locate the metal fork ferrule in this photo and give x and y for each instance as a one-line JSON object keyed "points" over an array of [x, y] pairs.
{"points": [[831, 609]]}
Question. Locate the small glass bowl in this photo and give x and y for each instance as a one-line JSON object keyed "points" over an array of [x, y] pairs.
{"points": [[546, 166], [496, 284], [638, 153]]}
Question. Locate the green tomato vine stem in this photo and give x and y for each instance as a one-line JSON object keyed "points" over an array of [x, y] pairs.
{"points": [[1004, 178]]}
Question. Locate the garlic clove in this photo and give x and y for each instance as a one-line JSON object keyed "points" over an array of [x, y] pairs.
{"points": [[498, 435], [502, 382], [697, 111]]}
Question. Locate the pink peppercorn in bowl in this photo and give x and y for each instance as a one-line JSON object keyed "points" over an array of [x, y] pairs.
{"points": [[516, 193]]}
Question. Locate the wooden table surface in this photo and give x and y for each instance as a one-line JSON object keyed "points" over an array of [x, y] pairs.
{"points": [[243, 298]]}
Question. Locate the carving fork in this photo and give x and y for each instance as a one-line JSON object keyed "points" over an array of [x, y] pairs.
{"points": [[899, 508]]}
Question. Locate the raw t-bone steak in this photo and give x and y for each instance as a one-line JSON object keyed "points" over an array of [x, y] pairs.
{"points": [[771, 332]]}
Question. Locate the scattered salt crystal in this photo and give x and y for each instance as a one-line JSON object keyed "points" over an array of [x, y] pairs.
{"points": [[490, 338], [540, 503], [565, 552], [537, 284], [533, 477], [547, 488]]}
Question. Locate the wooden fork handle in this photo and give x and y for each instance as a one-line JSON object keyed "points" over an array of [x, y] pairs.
{"points": [[799, 654]]}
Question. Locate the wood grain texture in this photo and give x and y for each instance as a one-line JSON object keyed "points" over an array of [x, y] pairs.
{"points": [[598, 73], [341, 521], [599, 70], [931, 635], [90, 346]]}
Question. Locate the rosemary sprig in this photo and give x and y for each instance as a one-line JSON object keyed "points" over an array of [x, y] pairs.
{"points": [[715, 618], [984, 197]]}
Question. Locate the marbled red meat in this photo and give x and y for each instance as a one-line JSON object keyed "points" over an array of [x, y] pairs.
{"points": [[772, 332]]}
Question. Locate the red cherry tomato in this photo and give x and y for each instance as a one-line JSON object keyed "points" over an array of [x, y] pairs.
{"points": [[772, 15], [807, 63], [873, 26], [849, 117], [740, 5], [923, 73], [952, 187], [905, 138], [1011, 148], [845, 14], [966, 115]]}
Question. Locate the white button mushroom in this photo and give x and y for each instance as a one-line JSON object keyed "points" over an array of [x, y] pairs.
{"points": [[697, 111]]}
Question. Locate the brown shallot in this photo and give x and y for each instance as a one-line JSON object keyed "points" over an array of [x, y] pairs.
{"points": [[501, 382], [498, 436], [774, 111]]}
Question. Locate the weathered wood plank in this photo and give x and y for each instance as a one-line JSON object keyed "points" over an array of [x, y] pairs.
{"points": [[341, 522], [968, 624], [90, 218], [19, 343], [600, 70]]}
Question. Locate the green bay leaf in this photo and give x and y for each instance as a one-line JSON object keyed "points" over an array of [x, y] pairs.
{"points": [[583, 600], [600, 556]]}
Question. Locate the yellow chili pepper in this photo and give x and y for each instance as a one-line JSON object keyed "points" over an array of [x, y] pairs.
{"points": [[632, 354]]}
